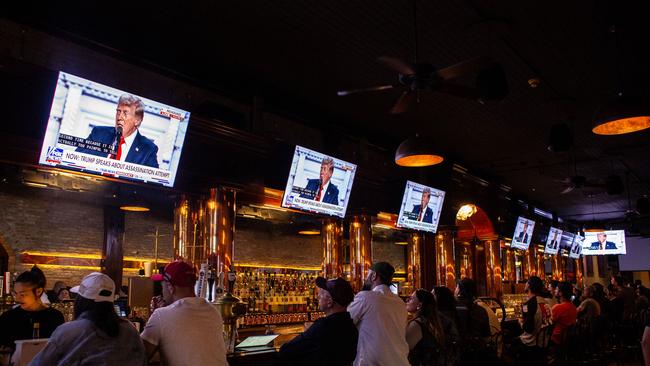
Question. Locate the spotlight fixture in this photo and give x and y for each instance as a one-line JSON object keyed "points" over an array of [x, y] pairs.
{"points": [[417, 152], [466, 211], [623, 115]]}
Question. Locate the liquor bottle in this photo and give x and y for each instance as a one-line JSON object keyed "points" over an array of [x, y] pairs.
{"points": [[36, 330]]}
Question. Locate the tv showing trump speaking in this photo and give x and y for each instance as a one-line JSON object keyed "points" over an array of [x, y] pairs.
{"points": [[421, 207], [576, 248], [318, 183], [523, 233], [98, 129], [553, 241], [604, 242]]}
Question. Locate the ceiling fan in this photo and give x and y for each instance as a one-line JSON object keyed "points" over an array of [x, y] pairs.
{"points": [[413, 78]]}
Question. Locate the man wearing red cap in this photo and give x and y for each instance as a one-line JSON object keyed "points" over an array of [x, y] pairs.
{"points": [[188, 331]]}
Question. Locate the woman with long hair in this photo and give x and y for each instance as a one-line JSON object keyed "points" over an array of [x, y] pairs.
{"points": [[424, 333], [97, 336]]}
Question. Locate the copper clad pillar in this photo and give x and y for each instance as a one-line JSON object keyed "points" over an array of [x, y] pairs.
{"points": [[221, 210], [360, 250], [332, 235], [445, 263], [493, 265], [413, 260], [530, 262], [182, 228]]}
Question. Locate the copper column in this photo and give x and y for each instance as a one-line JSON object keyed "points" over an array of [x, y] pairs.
{"points": [[493, 265], [413, 260], [332, 235], [360, 250], [220, 228], [445, 262]]}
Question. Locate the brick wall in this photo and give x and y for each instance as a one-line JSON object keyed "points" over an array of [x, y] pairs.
{"points": [[387, 251], [54, 221]]}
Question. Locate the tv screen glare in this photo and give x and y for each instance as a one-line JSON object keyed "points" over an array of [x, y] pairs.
{"points": [[604, 242], [102, 130], [318, 183], [523, 233], [576, 248], [421, 207], [553, 241]]}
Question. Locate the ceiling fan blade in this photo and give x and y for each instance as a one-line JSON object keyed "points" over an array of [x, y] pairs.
{"points": [[363, 90], [458, 91], [463, 68], [568, 189], [404, 102], [398, 65]]}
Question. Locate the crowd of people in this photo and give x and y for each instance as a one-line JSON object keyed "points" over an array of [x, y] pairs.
{"points": [[558, 323]]}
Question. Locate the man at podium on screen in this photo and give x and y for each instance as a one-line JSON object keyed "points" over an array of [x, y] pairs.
{"points": [[423, 212], [523, 235], [322, 189], [602, 243], [131, 146]]}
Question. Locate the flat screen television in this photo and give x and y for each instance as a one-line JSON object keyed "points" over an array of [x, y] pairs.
{"points": [[318, 183], [523, 233], [98, 129], [421, 207], [576, 248], [553, 241], [604, 242], [567, 241]]}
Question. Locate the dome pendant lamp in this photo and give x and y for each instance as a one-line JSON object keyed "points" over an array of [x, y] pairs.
{"points": [[417, 152]]}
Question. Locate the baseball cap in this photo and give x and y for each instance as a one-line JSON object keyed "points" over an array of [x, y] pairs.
{"points": [[178, 274], [339, 289], [384, 270], [97, 287]]}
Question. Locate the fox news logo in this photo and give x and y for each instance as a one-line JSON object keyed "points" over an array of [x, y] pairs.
{"points": [[54, 155]]}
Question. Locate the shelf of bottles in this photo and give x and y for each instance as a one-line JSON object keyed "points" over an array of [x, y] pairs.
{"points": [[276, 296]]}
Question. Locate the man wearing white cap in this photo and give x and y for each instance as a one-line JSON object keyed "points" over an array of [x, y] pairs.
{"points": [[97, 336]]}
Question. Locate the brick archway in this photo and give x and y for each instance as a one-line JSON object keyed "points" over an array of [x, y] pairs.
{"points": [[478, 226]]}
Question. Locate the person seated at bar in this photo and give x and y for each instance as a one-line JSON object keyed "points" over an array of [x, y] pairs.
{"points": [[331, 340], [536, 315], [589, 309], [563, 314], [53, 294], [63, 295], [473, 322], [189, 330], [31, 318], [97, 336], [424, 333], [381, 319], [447, 312]]}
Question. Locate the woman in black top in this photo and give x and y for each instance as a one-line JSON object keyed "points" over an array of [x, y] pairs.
{"points": [[424, 333], [31, 319]]}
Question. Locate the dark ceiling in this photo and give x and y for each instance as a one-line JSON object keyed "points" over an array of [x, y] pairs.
{"points": [[297, 54]]}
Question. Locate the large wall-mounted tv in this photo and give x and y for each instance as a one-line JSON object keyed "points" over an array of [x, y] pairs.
{"points": [[553, 241], [318, 183], [523, 233], [604, 242], [98, 129], [421, 207]]}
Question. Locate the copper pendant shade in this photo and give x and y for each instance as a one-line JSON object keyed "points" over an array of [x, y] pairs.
{"points": [[621, 116], [417, 152]]}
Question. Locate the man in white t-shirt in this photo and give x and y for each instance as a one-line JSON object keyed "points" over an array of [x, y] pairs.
{"points": [[188, 331], [381, 319]]}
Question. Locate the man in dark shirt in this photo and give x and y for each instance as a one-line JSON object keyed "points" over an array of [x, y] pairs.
{"points": [[331, 340]]}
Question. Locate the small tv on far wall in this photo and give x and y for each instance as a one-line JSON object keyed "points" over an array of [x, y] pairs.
{"points": [[553, 241], [95, 128], [421, 207], [523, 233], [604, 242], [576, 248], [318, 183]]}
